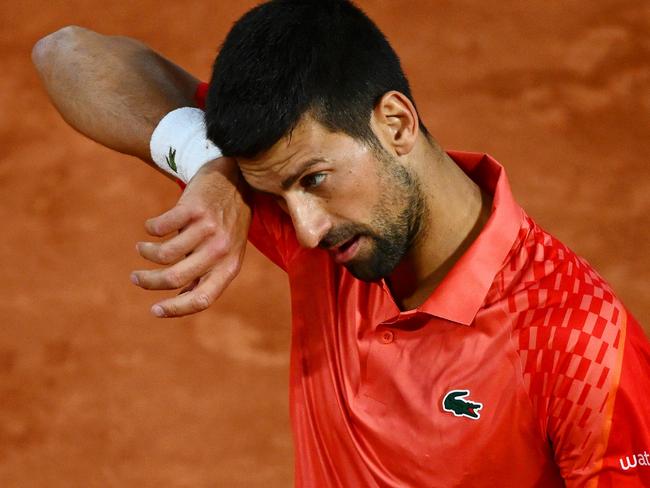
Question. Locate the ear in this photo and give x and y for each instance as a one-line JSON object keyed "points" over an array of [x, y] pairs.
{"points": [[396, 122]]}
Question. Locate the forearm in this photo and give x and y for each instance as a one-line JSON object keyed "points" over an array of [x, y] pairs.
{"points": [[112, 89], [116, 90]]}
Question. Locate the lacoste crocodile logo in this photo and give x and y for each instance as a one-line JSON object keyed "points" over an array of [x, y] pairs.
{"points": [[454, 403], [171, 159]]}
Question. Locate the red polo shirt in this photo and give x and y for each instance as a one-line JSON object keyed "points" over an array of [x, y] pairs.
{"points": [[521, 369]]}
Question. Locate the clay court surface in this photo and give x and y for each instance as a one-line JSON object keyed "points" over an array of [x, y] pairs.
{"points": [[95, 392]]}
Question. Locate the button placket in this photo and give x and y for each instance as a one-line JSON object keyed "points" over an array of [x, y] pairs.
{"points": [[378, 380]]}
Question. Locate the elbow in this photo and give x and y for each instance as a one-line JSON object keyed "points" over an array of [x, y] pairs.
{"points": [[47, 48]]}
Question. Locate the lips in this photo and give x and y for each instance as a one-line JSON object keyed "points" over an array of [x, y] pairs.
{"points": [[345, 251]]}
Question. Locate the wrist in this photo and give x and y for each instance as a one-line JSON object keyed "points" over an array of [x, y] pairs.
{"points": [[179, 145]]}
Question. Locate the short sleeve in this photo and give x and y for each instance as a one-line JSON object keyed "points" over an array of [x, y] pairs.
{"points": [[593, 359], [201, 94], [626, 459], [588, 374], [271, 230]]}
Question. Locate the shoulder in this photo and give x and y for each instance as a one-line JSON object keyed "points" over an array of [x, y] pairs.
{"points": [[572, 335], [567, 323], [549, 286]]}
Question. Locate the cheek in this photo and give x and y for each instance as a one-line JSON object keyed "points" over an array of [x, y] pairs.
{"points": [[357, 192]]}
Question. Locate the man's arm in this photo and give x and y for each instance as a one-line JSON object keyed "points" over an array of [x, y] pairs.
{"points": [[115, 90], [112, 89]]}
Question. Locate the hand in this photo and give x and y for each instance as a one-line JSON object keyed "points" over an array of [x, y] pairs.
{"points": [[212, 221]]}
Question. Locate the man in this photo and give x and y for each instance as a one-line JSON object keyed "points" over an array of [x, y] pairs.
{"points": [[440, 337]]}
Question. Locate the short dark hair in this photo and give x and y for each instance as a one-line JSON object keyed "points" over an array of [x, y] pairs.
{"points": [[286, 58]]}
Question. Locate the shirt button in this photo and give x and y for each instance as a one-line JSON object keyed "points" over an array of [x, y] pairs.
{"points": [[387, 336]]}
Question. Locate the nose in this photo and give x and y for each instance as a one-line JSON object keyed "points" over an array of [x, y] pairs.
{"points": [[310, 221]]}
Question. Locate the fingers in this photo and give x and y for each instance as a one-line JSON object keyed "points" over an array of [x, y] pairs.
{"points": [[172, 250], [213, 220], [178, 275], [196, 300], [191, 286], [172, 220]]}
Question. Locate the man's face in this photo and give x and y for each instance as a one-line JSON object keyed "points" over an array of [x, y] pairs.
{"points": [[361, 204]]}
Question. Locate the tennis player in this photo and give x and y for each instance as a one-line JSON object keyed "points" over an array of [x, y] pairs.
{"points": [[440, 336]]}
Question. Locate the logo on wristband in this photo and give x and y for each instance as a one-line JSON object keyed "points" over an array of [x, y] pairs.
{"points": [[171, 159]]}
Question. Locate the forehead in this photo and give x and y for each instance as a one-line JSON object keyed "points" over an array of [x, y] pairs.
{"points": [[310, 141]]}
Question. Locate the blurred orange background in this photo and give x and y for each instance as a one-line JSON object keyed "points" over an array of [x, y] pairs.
{"points": [[95, 392]]}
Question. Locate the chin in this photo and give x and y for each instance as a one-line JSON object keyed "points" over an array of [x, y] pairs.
{"points": [[378, 259], [373, 269], [364, 275]]}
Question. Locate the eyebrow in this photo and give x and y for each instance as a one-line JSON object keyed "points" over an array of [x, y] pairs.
{"points": [[290, 180]]}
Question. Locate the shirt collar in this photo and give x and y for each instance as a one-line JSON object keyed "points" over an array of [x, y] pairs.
{"points": [[463, 290]]}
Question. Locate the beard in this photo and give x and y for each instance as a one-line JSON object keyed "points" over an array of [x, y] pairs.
{"points": [[397, 221]]}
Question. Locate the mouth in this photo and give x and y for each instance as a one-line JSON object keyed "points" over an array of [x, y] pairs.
{"points": [[345, 251]]}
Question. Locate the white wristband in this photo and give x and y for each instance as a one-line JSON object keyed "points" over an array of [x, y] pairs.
{"points": [[179, 145]]}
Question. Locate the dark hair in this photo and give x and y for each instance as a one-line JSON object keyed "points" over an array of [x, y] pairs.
{"points": [[285, 58]]}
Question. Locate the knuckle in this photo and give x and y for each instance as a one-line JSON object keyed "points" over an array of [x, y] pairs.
{"points": [[227, 242], [198, 211], [165, 255], [232, 269], [218, 249], [210, 227], [200, 302], [236, 266], [174, 278]]}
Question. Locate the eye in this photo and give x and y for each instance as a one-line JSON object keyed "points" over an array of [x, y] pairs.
{"points": [[313, 180]]}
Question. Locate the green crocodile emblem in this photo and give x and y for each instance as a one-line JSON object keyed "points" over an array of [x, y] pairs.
{"points": [[171, 159], [455, 403]]}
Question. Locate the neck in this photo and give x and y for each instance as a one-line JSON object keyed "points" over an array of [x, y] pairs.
{"points": [[456, 211]]}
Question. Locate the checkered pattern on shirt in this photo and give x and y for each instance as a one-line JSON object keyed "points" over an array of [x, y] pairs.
{"points": [[567, 328]]}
